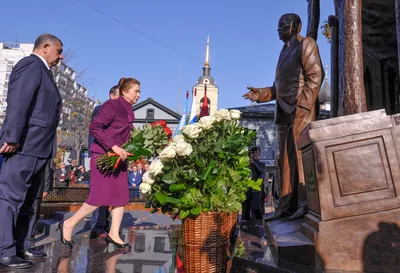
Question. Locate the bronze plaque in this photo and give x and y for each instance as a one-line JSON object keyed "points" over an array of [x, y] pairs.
{"points": [[311, 180], [369, 175], [360, 172]]}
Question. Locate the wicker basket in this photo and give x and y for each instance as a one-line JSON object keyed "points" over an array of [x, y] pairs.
{"points": [[206, 241]]}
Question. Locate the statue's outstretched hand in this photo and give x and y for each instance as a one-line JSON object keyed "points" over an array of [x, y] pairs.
{"points": [[253, 94]]}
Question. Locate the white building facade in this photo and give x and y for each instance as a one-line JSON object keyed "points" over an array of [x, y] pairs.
{"points": [[10, 54], [149, 110], [70, 89]]}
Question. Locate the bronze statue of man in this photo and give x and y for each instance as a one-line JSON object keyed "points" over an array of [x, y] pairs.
{"points": [[298, 79]]}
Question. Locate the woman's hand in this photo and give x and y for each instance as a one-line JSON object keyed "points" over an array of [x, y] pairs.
{"points": [[119, 151]]}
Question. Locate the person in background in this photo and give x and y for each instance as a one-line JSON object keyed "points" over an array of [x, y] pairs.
{"points": [[140, 168], [99, 223], [62, 176], [253, 206], [82, 177], [72, 171], [134, 180], [146, 167]]}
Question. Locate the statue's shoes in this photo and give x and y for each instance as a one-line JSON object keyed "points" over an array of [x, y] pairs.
{"points": [[277, 215], [298, 214]]}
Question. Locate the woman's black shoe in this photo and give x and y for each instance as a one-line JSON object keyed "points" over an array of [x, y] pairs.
{"points": [[68, 244], [119, 246]]}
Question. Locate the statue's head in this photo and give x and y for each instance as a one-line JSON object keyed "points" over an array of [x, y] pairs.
{"points": [[289, 25]]}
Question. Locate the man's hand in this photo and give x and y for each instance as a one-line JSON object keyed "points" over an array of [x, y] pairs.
{"points": [[45, 194], [9, 147], [133, 185], [253, 95]]}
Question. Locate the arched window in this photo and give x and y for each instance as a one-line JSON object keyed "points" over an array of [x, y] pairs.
{"points": [[201, 103]]}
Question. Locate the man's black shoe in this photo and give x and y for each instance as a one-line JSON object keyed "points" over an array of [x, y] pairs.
{"points": [[277, 215], [13, 262], [30, 254]]}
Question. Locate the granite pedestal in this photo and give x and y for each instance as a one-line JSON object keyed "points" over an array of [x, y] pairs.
{"points": [[352, 174]]}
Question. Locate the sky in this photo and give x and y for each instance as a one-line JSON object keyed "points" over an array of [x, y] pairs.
{"points": [[163, 43]]}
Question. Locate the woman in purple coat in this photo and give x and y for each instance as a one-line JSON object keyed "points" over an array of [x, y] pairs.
{"points": [[111, 128]]}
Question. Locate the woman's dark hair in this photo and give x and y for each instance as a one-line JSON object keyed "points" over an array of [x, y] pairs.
{"points": [[126, 83]]}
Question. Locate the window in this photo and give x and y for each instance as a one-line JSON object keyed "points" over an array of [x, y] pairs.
{"points": [[140, 243], [208, 102], [159, 244], [150, 114]]}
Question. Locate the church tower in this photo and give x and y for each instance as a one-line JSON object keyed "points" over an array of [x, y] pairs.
{"points": [[207, 81]]}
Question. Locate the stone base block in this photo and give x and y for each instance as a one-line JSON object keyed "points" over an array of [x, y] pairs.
{"points": [[365, 243]]}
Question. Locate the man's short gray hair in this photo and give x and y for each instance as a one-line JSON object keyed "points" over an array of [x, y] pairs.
{"points": [[44, 38], [114, 90]]}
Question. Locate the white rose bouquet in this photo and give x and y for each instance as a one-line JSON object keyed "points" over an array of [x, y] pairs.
{"points": [[204, 169]]}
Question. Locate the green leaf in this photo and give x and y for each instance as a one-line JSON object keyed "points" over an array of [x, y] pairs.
{"points": [[195, 211], [177, 187], [255, 185], [164, 199], [183, 214], [172, 200], [169, 181], [161, 198], [207, 172], [199, 162], [221, 182]]}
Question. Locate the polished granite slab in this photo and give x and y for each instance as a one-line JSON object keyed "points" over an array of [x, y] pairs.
{"points": [[151, 253], [155, 246]]}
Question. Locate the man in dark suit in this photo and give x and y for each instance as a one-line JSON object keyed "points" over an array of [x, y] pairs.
{"points": [[45, 187], [99, 223], [28, 140], [298, 79], [253, 207]]}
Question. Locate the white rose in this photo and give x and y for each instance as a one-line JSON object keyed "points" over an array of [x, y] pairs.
{"points": [[192, 130], [144, 188], [178, 139], [207, 122], [235, 114], [148, 178], [222, 114], [184, 149], [156, 168], [168, 153]]}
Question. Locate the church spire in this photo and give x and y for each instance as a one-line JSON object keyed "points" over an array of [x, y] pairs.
{"points": [[206, 68], [326, 73], [206, 64]]}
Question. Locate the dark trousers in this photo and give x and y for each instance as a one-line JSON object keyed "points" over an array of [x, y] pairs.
{"points": [[35, 217], [20, 180], [263, 196], [134, 193], [251, 208], [99, 222], [290, 200]]}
